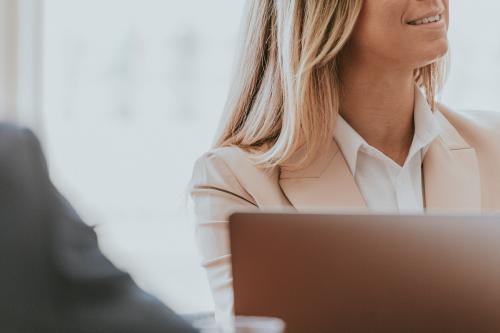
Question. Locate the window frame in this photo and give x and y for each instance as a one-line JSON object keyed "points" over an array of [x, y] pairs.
{"points": [[21, 63]]}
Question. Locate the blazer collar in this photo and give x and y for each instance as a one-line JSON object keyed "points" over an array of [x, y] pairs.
{"points": [[326, 184], [451, 174], [450, 177]]}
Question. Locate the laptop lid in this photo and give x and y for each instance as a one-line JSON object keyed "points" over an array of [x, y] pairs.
{"points": [[368, 273]]}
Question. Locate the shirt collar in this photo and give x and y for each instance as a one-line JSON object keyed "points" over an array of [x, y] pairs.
{"points": [[427, 128], [349, 142]]}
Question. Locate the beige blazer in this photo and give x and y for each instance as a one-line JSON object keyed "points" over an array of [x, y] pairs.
{"points": [[461, 172]]}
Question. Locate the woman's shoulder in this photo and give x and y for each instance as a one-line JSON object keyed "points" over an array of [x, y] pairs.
{"points": [[233, 158], [474, 125], [481, 119], [232, 163]]}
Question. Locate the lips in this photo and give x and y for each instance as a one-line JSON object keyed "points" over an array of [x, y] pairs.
{"points": [[426, 20]]}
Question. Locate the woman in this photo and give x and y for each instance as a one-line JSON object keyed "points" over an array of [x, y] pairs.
{"points": [[334, 106]]}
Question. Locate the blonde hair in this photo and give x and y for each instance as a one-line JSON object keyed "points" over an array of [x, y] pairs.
{"points": [[286, 92]]}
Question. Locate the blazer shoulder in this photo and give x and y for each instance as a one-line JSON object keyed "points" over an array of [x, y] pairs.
{"points": [[480, 120], [232, 169], [233, 159], [220, 168], [480, 129]]}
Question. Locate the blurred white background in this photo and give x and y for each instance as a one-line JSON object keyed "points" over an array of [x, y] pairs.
{"points": [[126, 94], [132, 93]]}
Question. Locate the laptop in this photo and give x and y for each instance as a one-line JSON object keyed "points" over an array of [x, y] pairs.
{"points": [[368, 273]]}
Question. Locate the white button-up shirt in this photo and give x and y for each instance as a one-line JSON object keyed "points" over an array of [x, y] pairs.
{"points": [[385, 185]]}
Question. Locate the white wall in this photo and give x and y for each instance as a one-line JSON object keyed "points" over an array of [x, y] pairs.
{"points": [[133, 93], [474, 78]]}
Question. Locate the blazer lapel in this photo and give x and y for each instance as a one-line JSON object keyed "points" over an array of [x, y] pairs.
{"points": [[451, 173], [451, 178], [326, 184]]}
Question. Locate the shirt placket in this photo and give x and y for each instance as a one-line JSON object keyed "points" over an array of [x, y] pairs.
{"points": [[405, 193]]}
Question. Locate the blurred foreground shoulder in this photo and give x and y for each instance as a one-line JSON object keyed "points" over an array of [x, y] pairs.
{"points": [[14, 138], [20, 154]]}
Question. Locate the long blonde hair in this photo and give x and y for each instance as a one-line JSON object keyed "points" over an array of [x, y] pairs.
{"points": [[285, 95]]}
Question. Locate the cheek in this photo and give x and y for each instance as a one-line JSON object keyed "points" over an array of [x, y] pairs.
{"points": [[378, 30], [380, 38]]}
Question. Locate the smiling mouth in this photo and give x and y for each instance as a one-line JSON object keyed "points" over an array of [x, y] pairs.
{"points": [[426, 20]]}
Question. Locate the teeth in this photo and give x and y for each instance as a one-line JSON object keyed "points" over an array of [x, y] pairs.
{"points": [[426, 20]]}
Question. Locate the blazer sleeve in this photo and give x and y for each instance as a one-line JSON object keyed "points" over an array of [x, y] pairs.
{"points": [[216, 193]]}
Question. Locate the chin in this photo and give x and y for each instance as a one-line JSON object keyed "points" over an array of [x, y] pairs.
{"points": [[441, 49], [434, 53]]}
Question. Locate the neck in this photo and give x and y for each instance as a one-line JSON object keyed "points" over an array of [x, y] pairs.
{"points": [[378, 103]]}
